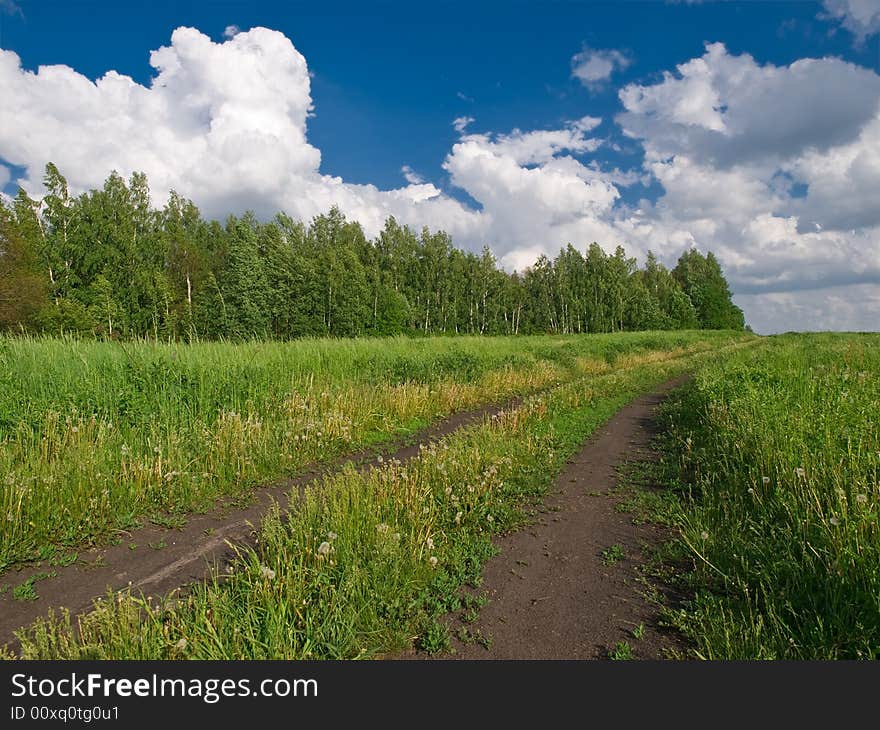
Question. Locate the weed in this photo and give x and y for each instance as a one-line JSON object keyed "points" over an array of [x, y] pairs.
{"points": [[613, 554], [622, 651]]}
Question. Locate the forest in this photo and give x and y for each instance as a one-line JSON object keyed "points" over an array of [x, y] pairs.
{"points": [[108, 264]]}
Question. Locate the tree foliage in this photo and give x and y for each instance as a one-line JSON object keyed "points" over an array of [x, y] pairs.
{"points": [[107, 263]]}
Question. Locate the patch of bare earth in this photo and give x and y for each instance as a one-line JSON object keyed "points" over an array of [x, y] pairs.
{"points": [[568, 586], [156, 559]]}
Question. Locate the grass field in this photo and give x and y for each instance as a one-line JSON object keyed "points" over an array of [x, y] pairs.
{"points": [[97, 437], [771, 462], [777, 455], [370, 560]]}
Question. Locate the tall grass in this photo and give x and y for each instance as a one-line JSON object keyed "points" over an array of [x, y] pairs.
{"points": [[367, 560], [780, 448], [94, 435]]}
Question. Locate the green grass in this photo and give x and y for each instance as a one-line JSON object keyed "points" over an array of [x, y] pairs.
{"points": [[367, 561], [776, 453], [97, 436]]}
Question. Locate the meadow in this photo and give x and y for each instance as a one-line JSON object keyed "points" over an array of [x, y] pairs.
{"points": [[769, 478], [97, 437], [369, 561], [775, 453]]}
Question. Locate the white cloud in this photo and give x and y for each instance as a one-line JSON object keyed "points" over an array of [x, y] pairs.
{"points": [[461, 123], [594, 67], [411, 176], [231, 31], [775, 168], [854, 308], [860, 17], [534, 196], [225, 123]]}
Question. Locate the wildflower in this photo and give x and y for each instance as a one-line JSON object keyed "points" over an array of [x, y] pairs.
{"points": [[834, 521], [267, 572], [458, 516], [324, 549], [331, 536], [75, 429], [751, 491], [380, 459], [800, 472], [704, 535], [433, 561], [765, 480], [490, 518], [430, 543], [861, 498], [180, 645], [230, 569], [124, 450]]}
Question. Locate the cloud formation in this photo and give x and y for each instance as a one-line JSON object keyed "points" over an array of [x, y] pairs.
{"points": [[787, 199], [459, 124], [860, 17], [594, 67]]}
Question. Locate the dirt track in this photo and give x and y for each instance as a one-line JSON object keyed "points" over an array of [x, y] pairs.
{"points": [[164, 559], [552, 594]]}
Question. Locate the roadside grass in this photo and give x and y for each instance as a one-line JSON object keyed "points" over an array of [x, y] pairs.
{"points": [[97, 437], [773, 465], [366, 563]]}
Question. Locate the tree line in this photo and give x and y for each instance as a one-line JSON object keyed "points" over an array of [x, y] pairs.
{"points": [[107, 263]]}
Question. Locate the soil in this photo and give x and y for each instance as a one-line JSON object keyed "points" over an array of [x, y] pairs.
{"points": [[555, 592], [166, 558]]}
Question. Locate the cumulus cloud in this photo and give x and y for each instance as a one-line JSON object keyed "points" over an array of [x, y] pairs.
{"points": [[231, 31], [775, 168], [225, 123], [860, 17], [854, 308], [594, 67], [459, 124], [535, 195], [411, 176], [786, 199]]}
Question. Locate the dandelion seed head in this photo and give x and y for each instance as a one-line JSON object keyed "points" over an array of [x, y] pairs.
{"points": [[704, 535], [765, 480], [430, 543], [324, 548], [267, 572], [800, 472], [433, 561], [834, 521], [180, 645], [331, 536], [861, 498]]}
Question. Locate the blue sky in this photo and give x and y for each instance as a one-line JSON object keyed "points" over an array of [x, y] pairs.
{"points": [[386, 81]]}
